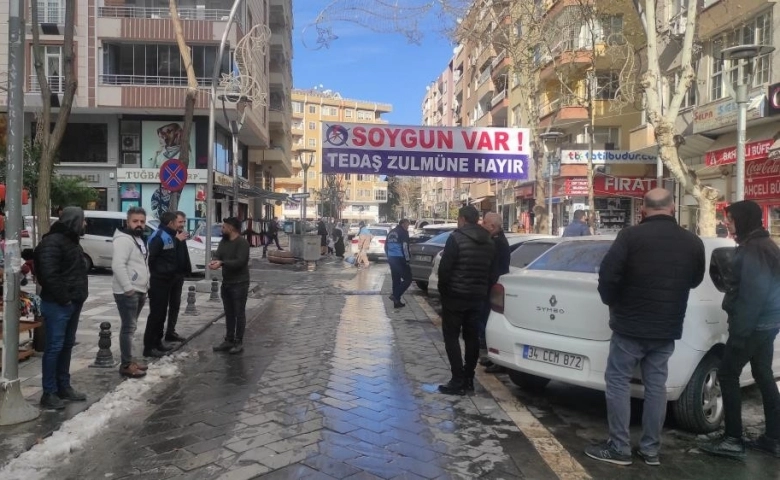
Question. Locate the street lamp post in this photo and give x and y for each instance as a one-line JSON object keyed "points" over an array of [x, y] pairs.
{"points": [[553, 136], [740, 96], [305, 165]]}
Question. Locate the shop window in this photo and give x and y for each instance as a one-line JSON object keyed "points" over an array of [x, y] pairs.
{"points": [[609, 136], [83, 143]]}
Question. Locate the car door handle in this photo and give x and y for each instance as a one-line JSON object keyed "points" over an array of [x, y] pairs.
{"points": [[109, 241]]}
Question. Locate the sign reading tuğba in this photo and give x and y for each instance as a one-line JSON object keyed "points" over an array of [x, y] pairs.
{"points": [[501, 153]]}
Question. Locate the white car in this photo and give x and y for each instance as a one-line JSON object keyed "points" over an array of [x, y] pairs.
{"points": [[548, 322], [525, 248], [377, 248], [98, 243], [216, 235], [26, 233]]}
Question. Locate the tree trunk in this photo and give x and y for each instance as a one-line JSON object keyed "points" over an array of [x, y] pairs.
{"points": [[52, 137], [541, 220], [591, 194]]}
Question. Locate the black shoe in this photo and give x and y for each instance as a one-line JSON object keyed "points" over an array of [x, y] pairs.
{"points": [[606, 452], [398, 305], [164, 348], [392, 299], [71, 395], [225, 346], [50, 401], [765, 444], [652, 460], [485, 361], [725, 447], [468, 384], [154, 353], [237, 348], [453, 387], [174, 337], [493, 368]]}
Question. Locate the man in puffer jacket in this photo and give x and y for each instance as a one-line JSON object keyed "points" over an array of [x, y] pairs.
{"points": [[62, 274], [752, 301], [130, 284]]}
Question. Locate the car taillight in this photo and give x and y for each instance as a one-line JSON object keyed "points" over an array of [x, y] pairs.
{"points": [[25, 234], [355, 241], [497, 298], [382, 242], [198, 239]]}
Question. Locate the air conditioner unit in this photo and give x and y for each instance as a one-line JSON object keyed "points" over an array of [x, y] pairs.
{"points": [[131, 142], [131, 159], [677, 26]]}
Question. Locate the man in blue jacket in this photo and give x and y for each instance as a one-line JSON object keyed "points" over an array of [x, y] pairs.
{"points": [[397, 251], [578, 227]]}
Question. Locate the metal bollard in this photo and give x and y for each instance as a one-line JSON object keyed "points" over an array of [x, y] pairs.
{"points": [[191, 310], [104, 357], [214, 290]]}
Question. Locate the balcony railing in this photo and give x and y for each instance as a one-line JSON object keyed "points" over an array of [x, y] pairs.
{"points": [[498, 98], [56, 84], [156, 12], [51, 13], [500, 58], [561, 102], [150, 81], [483, 77]]}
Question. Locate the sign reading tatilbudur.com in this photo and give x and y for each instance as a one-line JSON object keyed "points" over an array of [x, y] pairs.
{"points": [[499, 153]]}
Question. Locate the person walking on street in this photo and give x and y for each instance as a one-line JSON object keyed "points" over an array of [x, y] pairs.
{"points": [[364, 243], [338, 237], [645, 279], [578, 227], [752, 301], [465, 272], [492, 222], [322, 231], [130, 284], [169, 261], [232, 257], [397, 251], [272, 236], [62, 275]]}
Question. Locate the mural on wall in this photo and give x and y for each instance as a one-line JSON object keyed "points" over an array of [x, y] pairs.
{"points": [[129, 191], [161, 141], [156, 200]]}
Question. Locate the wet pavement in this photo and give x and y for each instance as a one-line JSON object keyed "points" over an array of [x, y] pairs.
{"points": [[334, 383]]}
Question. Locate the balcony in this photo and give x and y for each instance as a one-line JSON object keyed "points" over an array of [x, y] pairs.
{"points": [[50, 14], [566, 109], [56, 84], [499, 58], [483, 77], [498, 98], [280, 14], [186, 13], [282, 40], [150, 81]]}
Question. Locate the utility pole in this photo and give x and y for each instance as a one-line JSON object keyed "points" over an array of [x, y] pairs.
{"points": [[13, 408]]}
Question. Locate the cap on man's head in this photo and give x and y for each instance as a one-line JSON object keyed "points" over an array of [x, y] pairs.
{"points": [[469, 213], [233, 222]]}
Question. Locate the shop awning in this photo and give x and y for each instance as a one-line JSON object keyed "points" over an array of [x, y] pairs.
{"points": [[694, 146]]}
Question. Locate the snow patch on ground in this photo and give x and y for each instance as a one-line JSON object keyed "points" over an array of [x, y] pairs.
{"points": [[38, 462]]}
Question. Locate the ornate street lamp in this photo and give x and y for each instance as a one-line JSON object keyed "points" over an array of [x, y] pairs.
{"points": [[305, 165]]}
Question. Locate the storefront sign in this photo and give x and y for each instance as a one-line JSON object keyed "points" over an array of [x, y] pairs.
{"points": [[763, 179], [152, 175], [612, 186], [773, 100], [606, 157], [727, 156], [86, 178], [496, 153], [526, 191], [724, 113], [223, 180]]}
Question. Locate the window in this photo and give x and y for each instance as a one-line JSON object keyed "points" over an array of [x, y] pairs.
{"points": [[157, 64], [380, 195], [608, 136], [51, 11], [312, 142], [331, 111], [84, 143], [365, 115], [312, 108], [52, 68], [297, 124], [312, 125], [527, 253], [297, 107], [347, 176], [690, 98], [348, 113], [312, 175], [611, 27], [607, 85], [103, 227], [584, 257]]}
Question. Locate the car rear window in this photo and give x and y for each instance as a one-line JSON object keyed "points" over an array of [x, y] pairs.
{"points": [[440, 238], [378, 232], [574, 256], [526, 253]]}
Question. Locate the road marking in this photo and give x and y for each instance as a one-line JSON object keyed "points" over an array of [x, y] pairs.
{"points": [[550, 449]]}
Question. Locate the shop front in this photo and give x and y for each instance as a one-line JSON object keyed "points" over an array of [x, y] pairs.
{"points": [[100, 179], [223, 196], [524, 197]]}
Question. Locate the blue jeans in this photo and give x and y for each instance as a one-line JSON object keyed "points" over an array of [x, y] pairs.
{"points": [[129, 309], [62, 321], [401, 273], [625, 353]]}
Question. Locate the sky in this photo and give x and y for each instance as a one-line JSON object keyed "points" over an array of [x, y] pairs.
{"points": [[364, 65]]}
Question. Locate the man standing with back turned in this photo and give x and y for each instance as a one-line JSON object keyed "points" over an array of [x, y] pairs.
{"points": [[397, 251], [645, 279]]}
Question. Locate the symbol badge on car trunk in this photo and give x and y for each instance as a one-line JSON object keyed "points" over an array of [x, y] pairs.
{"points": [[553, 301]]}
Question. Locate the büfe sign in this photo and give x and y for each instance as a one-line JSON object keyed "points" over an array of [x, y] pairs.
{"points": [[613, 186], [763, 179], [727, 156], [499, 153]]}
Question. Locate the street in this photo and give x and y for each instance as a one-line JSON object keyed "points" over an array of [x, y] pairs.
{"points": [[334, 383]]}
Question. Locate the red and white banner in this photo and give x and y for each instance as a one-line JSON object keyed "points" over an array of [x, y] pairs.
{"points": [[727, 156], [762, 180], [635, 187]]}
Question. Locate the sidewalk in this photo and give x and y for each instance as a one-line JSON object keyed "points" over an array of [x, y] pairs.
{"points": [[97, 382]]}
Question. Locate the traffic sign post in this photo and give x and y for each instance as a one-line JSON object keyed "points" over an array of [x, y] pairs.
{"points": [[173, 175]]}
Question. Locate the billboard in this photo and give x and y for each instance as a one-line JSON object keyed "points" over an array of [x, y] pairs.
{"points": [[161, 141], [498, 153], [606, 157]]}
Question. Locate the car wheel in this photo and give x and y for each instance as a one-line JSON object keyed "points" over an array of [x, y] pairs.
{"points": [[422, 285], [526, 381], [88, 263], [700, 407]]}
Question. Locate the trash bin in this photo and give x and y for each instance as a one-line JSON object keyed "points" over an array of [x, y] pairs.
{"points": [[311, 248]]}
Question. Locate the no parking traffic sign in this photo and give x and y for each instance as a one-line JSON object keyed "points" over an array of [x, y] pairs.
{"points": [[173, 175]]}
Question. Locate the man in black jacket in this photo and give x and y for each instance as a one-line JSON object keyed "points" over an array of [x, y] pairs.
{"points": [[62, 274], [645, 279], [169, 262], [466, 271], [493, 223], [752, 301]]}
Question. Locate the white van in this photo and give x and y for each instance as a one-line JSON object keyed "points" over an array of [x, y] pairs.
{"points": [[98, 245]]}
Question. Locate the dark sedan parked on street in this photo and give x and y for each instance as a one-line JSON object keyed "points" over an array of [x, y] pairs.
{"points": [[422, 257]]}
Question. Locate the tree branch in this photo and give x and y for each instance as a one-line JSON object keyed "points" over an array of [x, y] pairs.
{"points": [[688, 74]]}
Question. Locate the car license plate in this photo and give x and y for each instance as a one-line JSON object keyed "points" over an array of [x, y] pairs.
{"points": [[423, 258], [554, 357]]}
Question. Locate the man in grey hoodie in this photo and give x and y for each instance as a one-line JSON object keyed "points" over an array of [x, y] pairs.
{"points": [[130, 284]]}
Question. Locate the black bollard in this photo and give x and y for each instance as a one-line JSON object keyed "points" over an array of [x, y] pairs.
{"points": [[191, 310], [214, 290], [104, 358]]}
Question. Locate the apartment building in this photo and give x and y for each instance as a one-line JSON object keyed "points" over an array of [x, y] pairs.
{"points": [[707, 121], [128, 110], [361, 194]]}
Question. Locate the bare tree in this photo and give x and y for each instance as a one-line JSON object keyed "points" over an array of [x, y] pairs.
{"points": [[51, 137]]}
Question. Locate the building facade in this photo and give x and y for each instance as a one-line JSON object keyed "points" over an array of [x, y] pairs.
{"points": [[360, 195], [128, 110]]}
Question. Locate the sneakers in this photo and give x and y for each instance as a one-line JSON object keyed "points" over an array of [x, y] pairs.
{"points": [[50, 401], [765, 444], [725, 446], [225, 346], [237, 348], [652, 460], [174, 337], [453, 387], [71, 395], [606, 452], [131, 370]]}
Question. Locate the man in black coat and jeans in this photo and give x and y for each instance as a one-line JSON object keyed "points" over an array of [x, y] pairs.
{"points": [[169, 262], [645, 279], [466, 271], [492, 222]]}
